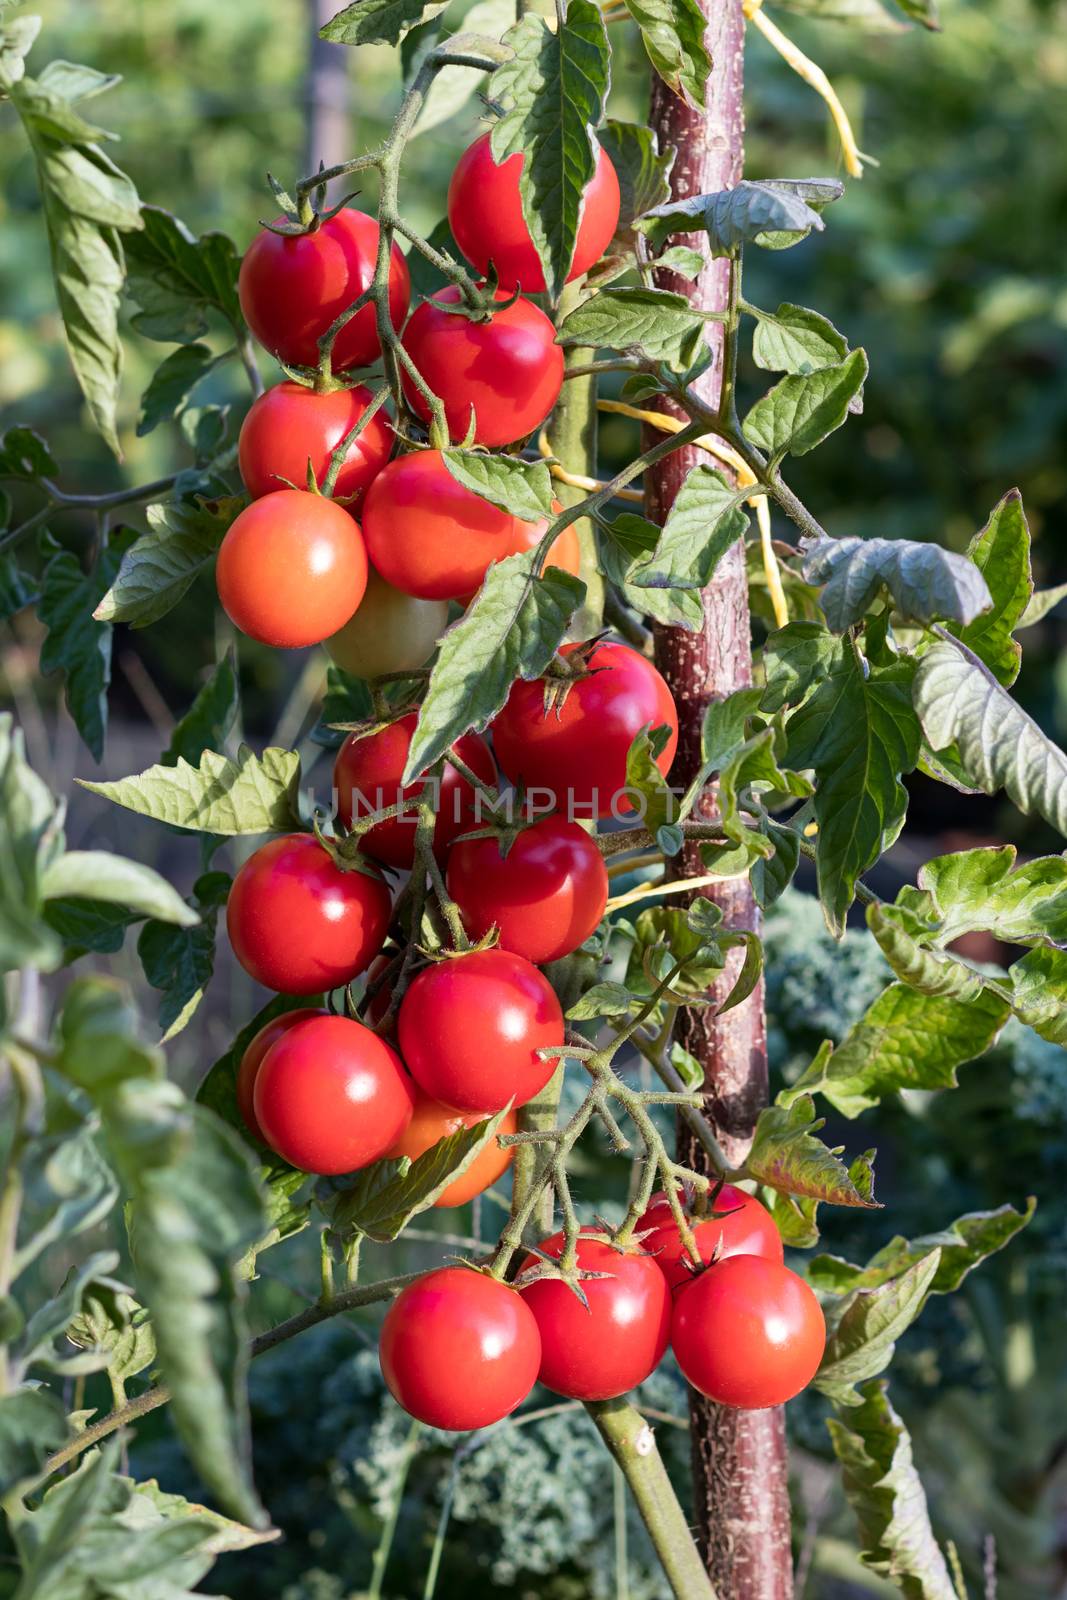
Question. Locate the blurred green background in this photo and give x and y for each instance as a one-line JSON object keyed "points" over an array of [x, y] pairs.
{"points": [[946, 263]]}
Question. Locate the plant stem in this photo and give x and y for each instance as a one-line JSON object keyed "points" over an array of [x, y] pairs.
{"points": [[572, 437], [59, 501]]}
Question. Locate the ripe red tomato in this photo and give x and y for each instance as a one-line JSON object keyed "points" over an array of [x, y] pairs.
{"points": [[748, 1332], [565, 551], [432, 538], [366, 778], [577, 752], [509, 369], [546, 895], [459, 1350], [292, 569], [290, 425], [292, 288], [298, 923], [469, 1028], [485, 215], [598, 1351], [391, 632], [432, 1122], [748, 1230], [331, 1096], [253, 1058]]}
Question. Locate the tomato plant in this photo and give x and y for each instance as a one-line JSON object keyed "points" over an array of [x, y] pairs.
{"points": [[430, 1123], [292, 428], [737, 1226], [252, 1060]]}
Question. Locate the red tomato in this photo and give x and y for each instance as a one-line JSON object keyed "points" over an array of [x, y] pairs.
{"points": [[253, 1057], [577, 752], [564, 552], [546, 895], [748, 1230], [293, 288], [298, 923], [331, 1096], [485, 214], [290, 425], [432, 538], [432, 1122], [458, 1349], [598, 1351], [748, 1332], [292, 569], [366, 778], [509, 369], [391, 632], [469, 1028]]}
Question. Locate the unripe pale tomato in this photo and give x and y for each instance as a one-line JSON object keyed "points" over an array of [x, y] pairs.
{"points": [[431, 1122], [748, 1332], [509, 369], [290, 425], [546, 895], [292, 288], [470, 1028], [391, 631], [435, 539], [601, 1350], [331, 1096], [367, 776], [577, 751], [485, 215], [252, 1059], [298, 923], [459, 1350], [743, 1227], [292, 569]]}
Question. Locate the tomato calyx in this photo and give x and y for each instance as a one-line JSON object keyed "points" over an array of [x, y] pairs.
{"points": [[345, 853], [505, 833], [481, 305], [307, 213]]}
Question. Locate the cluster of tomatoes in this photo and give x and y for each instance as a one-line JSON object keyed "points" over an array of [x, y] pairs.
{"points": [[474, 1030]]}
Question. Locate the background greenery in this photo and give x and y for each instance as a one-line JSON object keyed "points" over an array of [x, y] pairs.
{"points": [[945, 263]]}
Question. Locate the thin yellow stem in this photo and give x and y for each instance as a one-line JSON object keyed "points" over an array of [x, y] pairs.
{"points": [[652, 891], [577, 480], [814, 75], [771, 570]]}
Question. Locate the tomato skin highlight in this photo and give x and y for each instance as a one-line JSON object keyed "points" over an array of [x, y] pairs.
{"points": [[459, 1350], [292, 288], [749, 1230], [432, 538], [469, 1029], [546, 896], [298, 924], [290, 424], [331, 1096], [432, 1122], [485, 215], [252, 1060], [748, 1333], [292, 569], [390, 632], [509, 369], [366, 777], [576, 754], [605, 1349]]}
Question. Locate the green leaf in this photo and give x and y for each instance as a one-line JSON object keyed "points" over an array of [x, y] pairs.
{"points": [[32, 1425], [36, 1344], [86, 925], [112, 1321], [511, 631], [160, 566], [252, 794], [78, 644], [18, 589], [16, 41], [664, 936], [643, 175], [30, 840], [386, 1195], [553, 88], [172, 383], [652, 323], [796, 659], [210, 719], [796, 340], [672, 32], [346, 699], [68, 1188], [960, 703], [786, 1156], [861, 1345], [985, 889], [379, 21], [800, 412], [180, 961], [1001, 552], [963, 1245], [925, 583], [99, 875], [1041, 603], [905, 1040], [1039, 993], [522, 488], [883, 1488], [626, 545], [858, 732], [935, 973], [772, 874], [775, 213], [658, 805], [704, 521], [24, 454], [452, 87], [604, 1000], [176, 279]]}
